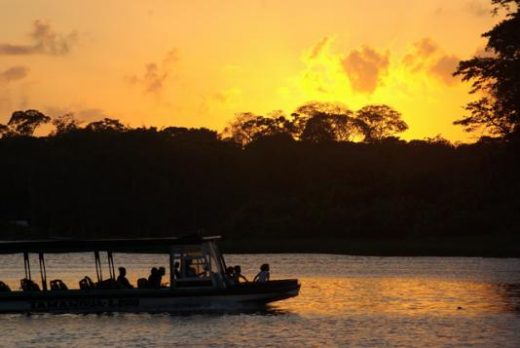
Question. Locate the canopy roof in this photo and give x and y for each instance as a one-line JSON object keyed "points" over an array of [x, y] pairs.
{"points": [[143, 245]]}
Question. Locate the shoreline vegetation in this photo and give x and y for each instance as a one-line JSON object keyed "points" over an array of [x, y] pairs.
{"points": [[274, 194]]}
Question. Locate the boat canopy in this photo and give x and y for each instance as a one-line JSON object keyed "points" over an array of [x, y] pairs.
{"points": [[143, 245]]}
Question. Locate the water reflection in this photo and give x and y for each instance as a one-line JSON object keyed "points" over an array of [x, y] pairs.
{"points": [[410, 297], [344, 301]]}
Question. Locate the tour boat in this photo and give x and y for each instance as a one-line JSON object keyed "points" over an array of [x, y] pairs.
{"points": [[198, 280]]}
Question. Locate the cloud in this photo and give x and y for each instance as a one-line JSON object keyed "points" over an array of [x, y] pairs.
{"points": [[421, 52], [478, 8], [319, 47], [427, 57], [44, 40], [14, 73], [364, 68], [156, 74], [444, 68], [228, 96]]}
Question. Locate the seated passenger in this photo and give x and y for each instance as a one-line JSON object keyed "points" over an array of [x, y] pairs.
{"points": [[29, 285], [237, 275], [58, 284], [161, 273], [263, 275], [154, 280], [4, 287], [122, 281], [229, 275], [191, 272]]}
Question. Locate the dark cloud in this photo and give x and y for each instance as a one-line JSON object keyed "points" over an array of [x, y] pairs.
{"points": [[426, 47], [426, 56], [364, 67], [228, 96], [154, 78], [479, 8], [422, 50], [14, 73], [318, 48], [44, 40], [444, 68]]}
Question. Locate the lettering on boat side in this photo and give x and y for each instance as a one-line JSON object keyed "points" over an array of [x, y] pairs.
{"points": [[65, 304]]}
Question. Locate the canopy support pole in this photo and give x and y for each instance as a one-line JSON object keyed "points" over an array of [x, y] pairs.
{"points": [[43, 271], [111, 269], [27, 265], [172, 268], [99, 271]]}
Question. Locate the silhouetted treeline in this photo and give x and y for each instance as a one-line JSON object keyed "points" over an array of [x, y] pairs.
{"points": [[99, 182]]}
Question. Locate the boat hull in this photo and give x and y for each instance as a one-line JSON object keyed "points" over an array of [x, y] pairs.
{"points": [[148, 300]]}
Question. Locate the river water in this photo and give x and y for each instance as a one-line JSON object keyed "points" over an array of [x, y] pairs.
{"points": [[344, 301]]}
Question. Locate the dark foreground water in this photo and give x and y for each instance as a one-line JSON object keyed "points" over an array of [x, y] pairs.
{"points": [[344, 301]]}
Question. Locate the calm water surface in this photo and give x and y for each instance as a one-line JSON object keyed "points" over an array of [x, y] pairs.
{"points": [[344, 301]]}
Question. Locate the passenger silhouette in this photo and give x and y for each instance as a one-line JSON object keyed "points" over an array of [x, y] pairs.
{"points": [[237, 275], [229, 275], [152, 278], [263, 275], [122, 281], [160, 273], [191, 272], [176, 270]]}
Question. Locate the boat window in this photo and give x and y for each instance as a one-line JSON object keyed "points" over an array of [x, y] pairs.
{"points": [[196, 266]]}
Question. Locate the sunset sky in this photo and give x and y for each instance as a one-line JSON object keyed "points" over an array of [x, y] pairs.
{"points": [[197, 63]]}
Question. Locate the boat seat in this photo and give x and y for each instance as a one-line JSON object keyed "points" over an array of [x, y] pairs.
{"points": [[86, 283], [142, 283], [107, 284], [29, 285], [4, 287], [58, 284]]}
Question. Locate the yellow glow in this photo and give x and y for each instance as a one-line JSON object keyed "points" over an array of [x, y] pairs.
{"points": [[197, 63], [399, 296]]}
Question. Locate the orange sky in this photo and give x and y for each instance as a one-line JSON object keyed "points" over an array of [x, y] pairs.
{"points": [[198, 62]]}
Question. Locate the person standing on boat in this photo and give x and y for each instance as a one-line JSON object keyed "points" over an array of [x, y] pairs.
{"points": [[122, 281]]}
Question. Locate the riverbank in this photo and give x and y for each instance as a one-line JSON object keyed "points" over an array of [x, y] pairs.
{"points": [[470, 246]]}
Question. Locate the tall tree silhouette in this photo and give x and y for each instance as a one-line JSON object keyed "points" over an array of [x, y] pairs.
{"points": [[65, 123], [496, 76], [106, 125], [247, 127], [379, 121], [321, 122], [3, 130], [24, 123]]}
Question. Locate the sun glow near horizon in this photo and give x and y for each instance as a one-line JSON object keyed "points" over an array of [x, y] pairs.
{"points": [[198, 63]]}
